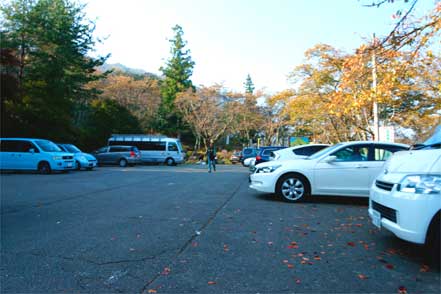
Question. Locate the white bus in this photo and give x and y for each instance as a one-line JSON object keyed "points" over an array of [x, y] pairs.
{"points": [[153, 148]]}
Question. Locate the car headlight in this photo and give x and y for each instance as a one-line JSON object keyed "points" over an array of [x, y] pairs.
{"points": [[421, 184], [57, 157], [268, 169]]}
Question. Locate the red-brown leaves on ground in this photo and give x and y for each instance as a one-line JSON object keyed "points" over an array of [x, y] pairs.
{"points": [[211, 283], [389, 266], [226, 249], [402, 290], [362, 277], [298, 281], [352, 244], [293, 245], [424, 268], [166, 271]]}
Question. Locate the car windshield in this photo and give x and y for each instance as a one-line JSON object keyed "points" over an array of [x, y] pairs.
{"points": [[72, 148], [324, 151], [47, 146]]}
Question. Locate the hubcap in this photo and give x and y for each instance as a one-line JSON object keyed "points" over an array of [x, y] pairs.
{"points": [[293, 189]]}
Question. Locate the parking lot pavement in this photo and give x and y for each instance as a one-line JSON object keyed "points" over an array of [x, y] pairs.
{"points": [[158, 229]]}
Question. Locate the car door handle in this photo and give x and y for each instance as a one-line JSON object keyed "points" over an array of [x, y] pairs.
{"points": [[362, 166]]}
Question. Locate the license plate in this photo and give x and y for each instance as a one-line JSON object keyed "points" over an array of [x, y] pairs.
{"points": [[376, 219], [69, 164]]}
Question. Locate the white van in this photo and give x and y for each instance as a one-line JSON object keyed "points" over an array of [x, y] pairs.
{"points": [[406, 197], [34, 154], [153, 148]]}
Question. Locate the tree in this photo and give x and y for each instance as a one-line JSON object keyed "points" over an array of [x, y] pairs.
{"points": [[249, 86], [140, 95], [177, 73], [108, 117], [209, 112], [50, 39]]}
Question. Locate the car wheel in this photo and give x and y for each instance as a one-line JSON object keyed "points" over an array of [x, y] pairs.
{"points": [[293, 188], [44, 168], [433, 242], [77, 165], [122, 162], [170, 161]]}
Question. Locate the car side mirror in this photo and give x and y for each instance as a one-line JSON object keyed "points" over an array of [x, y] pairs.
{"points": [[330, 159]]}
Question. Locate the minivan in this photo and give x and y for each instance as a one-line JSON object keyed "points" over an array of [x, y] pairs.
{"points": [[153, 148], [118, 154], [39, 155]]}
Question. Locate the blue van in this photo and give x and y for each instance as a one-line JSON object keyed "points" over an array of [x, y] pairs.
{"points": [[39, 155]]}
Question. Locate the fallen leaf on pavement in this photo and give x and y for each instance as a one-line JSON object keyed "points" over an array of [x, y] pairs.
{"points": [[166, 271], [290, 265], [424, 268], [362, 277], [402, 290], [211, 283], [389, 266], [298, 281], [152, 291], [351, 244]]}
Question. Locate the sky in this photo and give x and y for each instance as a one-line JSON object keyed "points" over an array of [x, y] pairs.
{"points": [[229, 39]]}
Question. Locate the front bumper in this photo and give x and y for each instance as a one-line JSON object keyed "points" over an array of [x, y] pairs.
{"points": [[413, 212], [63, 165], [263, 182]]}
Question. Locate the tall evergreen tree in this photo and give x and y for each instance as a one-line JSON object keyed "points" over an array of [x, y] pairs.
{"points": [[50, 39], [177, 72], [249, 86]]}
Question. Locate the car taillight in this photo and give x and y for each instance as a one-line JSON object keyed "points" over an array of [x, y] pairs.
{"points": [[258, 157], [132, 154]]}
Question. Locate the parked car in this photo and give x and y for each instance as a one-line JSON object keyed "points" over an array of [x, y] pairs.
{"points": [[406, 197], [297, 152], [82, 160], [235, 157], [41, 155], [247, 153], [264, 153], [118, 154], [345, 169], [249, 161]]}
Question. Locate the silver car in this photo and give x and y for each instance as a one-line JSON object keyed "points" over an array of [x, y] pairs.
{"points": [[118, 154]]}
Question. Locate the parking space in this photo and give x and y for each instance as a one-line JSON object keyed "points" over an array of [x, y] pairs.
{"points": [[161, 229]]}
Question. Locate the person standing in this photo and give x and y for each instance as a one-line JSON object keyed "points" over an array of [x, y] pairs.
{"points": [[211, 157]]}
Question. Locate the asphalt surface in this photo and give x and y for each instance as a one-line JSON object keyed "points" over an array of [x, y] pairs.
{"points": [[159, 229]]}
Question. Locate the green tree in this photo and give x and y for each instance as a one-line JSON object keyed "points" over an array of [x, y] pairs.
{"points": [[249, 85], [107, 117], [50, 39], [177, 72]]}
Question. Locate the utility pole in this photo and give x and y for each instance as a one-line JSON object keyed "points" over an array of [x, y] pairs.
{"points": [[374, 88]]}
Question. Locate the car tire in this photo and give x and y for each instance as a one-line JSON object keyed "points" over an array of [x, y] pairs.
{"points": [[293, 187], [44, 168], [122, 162], [169, 161], [433, 242], [77, 165]]}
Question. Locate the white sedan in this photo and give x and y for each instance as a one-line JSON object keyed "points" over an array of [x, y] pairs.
{"points": [[344, 169], [297, 152]]}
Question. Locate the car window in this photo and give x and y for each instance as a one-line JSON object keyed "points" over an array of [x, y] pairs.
{"points": [[102, 150], [383, 152], [307, 150], [172, 146], [48, 146], [267, 151], [118, 149], [352, 153], [133, 148], [71, 148]]}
